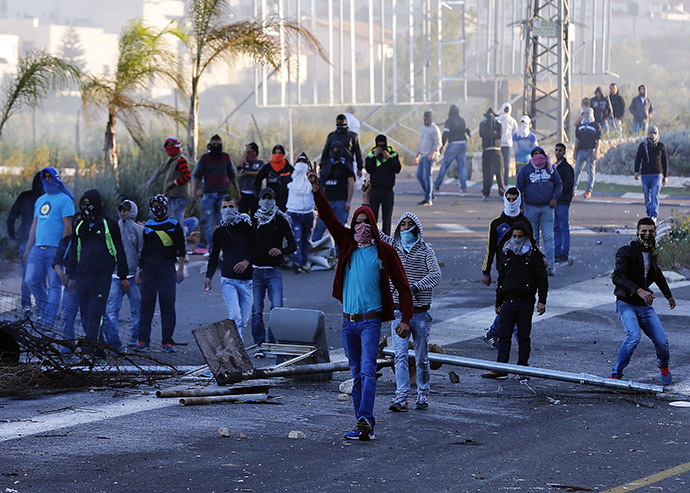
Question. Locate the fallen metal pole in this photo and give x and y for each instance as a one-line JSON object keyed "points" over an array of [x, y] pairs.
{"points": [[196, 401], [530, 371], [211, 391]]}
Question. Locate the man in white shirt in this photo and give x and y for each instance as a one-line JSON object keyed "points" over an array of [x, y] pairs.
{"points": [[427, 151]]}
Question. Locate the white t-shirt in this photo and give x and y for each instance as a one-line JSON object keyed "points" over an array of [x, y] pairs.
{"points": [[647, 263]]}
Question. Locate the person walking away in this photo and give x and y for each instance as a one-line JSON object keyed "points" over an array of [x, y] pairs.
{"points": [[273, 230], [216, 170], [540, 186], [236, 238], [97, 251], [361, 283], [23, 209], [248, 168], [277, 173], [300, 209], [561, 225], [70, 298], [635, 270], [157, 276], [52, 221], [512, 213], [601, 105], [349, 145], [382, 164], [617, 108], [508, 127], [521, 277], [524, 140], [423, 275], [176, 181], [338, 182], [641, 108], [587, 142], [427, 151], [492, 159], [133, 241], [455, 134], [651, 165]]}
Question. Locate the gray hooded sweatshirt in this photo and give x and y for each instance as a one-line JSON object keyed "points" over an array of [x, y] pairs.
{"points": [[132, 237], [420, 264]]}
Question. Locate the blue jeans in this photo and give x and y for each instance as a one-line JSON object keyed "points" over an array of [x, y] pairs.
{"points": [[238, 298], [541, 218], [638, 319], [424, 176], [507, 152], [302, 226], [270, 280], [585, 156], [176, 208], [456, 151], [640, 127], [111, 321], [361, 345], [70, 307], [210, 211], [26, 290], [561, 231], [38, 268], [651, 186], [420, 326], [341, 214], [158, 281]]}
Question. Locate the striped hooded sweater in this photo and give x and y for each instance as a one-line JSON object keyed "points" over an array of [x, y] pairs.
{"points": [[420, 264]]}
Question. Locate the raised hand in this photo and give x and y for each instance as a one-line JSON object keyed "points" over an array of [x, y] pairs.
{"points": [[312, 176]]}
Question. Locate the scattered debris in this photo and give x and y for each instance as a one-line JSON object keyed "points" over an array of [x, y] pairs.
{"points": [[346, 386], [453, 377], [467, 441], [568, 487], [297, 434], [343, 397], [224, 432]]}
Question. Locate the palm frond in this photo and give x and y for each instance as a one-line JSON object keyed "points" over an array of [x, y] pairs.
{"points": [[38, 73]]}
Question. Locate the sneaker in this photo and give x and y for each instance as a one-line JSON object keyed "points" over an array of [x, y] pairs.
{"points": [[422, 403], [352, 435], [422, 202], [399, 406], [614, 377], [437, 188], [366, 430], [550, 272], [428, 203], [132, 345], [494, 375], [666, 378], [485, 198], [491, 341], [167, 348], [304, 269], [200, 251], [142, 346], [588, 195]]}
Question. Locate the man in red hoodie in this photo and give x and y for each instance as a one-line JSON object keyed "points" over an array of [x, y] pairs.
{"points": [[361, 283]]}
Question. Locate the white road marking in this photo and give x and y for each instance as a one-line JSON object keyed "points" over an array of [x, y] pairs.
{"points": [[454, 228], [639, 196], [48, 422]]}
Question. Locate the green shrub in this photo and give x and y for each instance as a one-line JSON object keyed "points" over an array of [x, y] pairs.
{"points": [[620, 160], [674, 247]]}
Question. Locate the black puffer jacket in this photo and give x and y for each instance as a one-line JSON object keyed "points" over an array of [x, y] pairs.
{"points": [[628, 275], [350, 142]]}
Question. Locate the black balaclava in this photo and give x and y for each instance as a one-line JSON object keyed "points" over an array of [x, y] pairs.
{"points": [[381, 140], [215, 148], [159, 211], [94, 209], [341, 123]]}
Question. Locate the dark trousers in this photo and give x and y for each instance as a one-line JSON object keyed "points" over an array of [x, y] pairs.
{"points": [[93, 291], [383, 197], [248, 203], [512, 313], [492, 165], [158, 281]]}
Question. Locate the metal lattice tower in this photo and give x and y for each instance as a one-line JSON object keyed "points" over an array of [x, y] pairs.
{"points": [[547, 95]]}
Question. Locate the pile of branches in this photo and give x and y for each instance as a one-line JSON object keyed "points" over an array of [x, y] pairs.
{"points": [[34, 358]]}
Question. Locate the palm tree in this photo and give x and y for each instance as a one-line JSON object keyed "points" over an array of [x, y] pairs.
{"points": [[38, 73], [211, 37], [144, 57]]}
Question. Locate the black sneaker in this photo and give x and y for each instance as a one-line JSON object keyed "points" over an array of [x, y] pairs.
{"points": [[422, 403], [399, 406], [366, 431], [495, 375], [491, 341]]}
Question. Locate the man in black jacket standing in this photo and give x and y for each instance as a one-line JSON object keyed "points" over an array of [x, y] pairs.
{"points": [[492, 158], [561, 224], [349, 142], [651, 162], [95, 252], [382, 164], [521, 276], [635, 270], [617, 109]]}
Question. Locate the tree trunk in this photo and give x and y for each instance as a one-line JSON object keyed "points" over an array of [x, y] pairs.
{"points": [[110, 149], [193, 126]]}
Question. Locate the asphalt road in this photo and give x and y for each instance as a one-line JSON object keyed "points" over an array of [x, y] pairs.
{"points": [[477, 435]]}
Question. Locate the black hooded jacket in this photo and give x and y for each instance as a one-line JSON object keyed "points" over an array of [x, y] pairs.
{"points": [[628, 275], [23, 208], [455, 129], [490, 132], [351, 149], [97, 247]]}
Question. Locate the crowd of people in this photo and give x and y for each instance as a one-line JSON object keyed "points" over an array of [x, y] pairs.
{"points": [[256, 217]]}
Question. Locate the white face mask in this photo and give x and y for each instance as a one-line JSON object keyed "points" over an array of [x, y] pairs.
{"points": [[512, 209]]}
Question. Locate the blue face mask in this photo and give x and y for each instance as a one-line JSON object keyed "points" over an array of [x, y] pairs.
{"points": [[408, 238]]}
